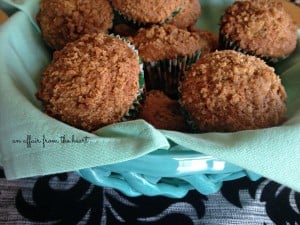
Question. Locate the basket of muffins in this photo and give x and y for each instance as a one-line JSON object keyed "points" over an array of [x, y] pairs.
{"points": [[119, 61]]}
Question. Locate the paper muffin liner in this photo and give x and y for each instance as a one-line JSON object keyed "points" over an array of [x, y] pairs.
{"points": [[165, 75], [121, 18], [135, 108], [226, 43], [188, 118]]}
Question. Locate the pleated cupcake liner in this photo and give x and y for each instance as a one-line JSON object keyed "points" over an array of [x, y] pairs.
{"points": [[226, 43], [165, 75], [135, 108], [193, 127]]}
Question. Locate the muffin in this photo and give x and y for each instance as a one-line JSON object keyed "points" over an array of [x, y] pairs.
{"points": [[292, 9], [262, 28], [143, 13], [3, 17], [188, 16], [65, 21], [92, 82], [209, 39], [166, 52], [163, 112], [228, 91]]}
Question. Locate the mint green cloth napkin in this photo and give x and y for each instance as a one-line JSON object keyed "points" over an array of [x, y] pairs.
{"points": [[32, 143]]}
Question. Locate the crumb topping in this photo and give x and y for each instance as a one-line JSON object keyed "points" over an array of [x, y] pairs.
{"points": [[209, 40], [262, 27], [65, 21], [165, 42], [230, 91], [188, 15], [163, 112], [150, 11], [91, 82]]}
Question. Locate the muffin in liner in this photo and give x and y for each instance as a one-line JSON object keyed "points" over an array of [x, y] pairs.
{"points": [[261, 28], [188, 16], [93, 82], [226, 43], [166, 74], [135, 108], [66, 21], [228, 91], [167, 52]]}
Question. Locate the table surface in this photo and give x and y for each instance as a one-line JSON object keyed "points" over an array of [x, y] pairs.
{"points": [[68, 199]]}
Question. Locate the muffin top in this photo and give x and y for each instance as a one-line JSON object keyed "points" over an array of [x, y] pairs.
{"points": [[262, 27], [163, 112], [231, 91], [209, 40], [65, 21], [165, 42], [91, 82], [188, 15], [147, 12]]}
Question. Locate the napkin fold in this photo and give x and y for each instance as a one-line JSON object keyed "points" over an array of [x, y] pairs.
{"points": [[33, 143]]}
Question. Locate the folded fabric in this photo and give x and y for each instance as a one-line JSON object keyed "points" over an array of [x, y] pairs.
{"points": [[33, 143]]}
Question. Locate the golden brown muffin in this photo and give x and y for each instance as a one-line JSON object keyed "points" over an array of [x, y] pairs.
{"points": [[65, 21], [147, 12], [209, 40], [3, 16], [230, 91], [91, 82], [165, 42], [163, 112], [261, 27], [188, 15], [167, 51]]}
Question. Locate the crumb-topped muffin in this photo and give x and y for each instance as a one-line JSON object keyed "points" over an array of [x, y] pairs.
{"points": [[65, 21], [91, 82], [209, 39], [261, 27], [166, 52], [188, 16], [165, 42], [163, 112], [230, 91], [147, 12]]}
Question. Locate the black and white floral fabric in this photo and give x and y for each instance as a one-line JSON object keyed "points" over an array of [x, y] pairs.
{"points": [[68, 199]]}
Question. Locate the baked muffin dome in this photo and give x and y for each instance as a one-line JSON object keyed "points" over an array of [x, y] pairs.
{"points": [[91, 82], [65, 21], [188, 16], [167, 52], [163, 112], [165, 42], [230, 91], [260, 27], [209, 39], [147, 12]]}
